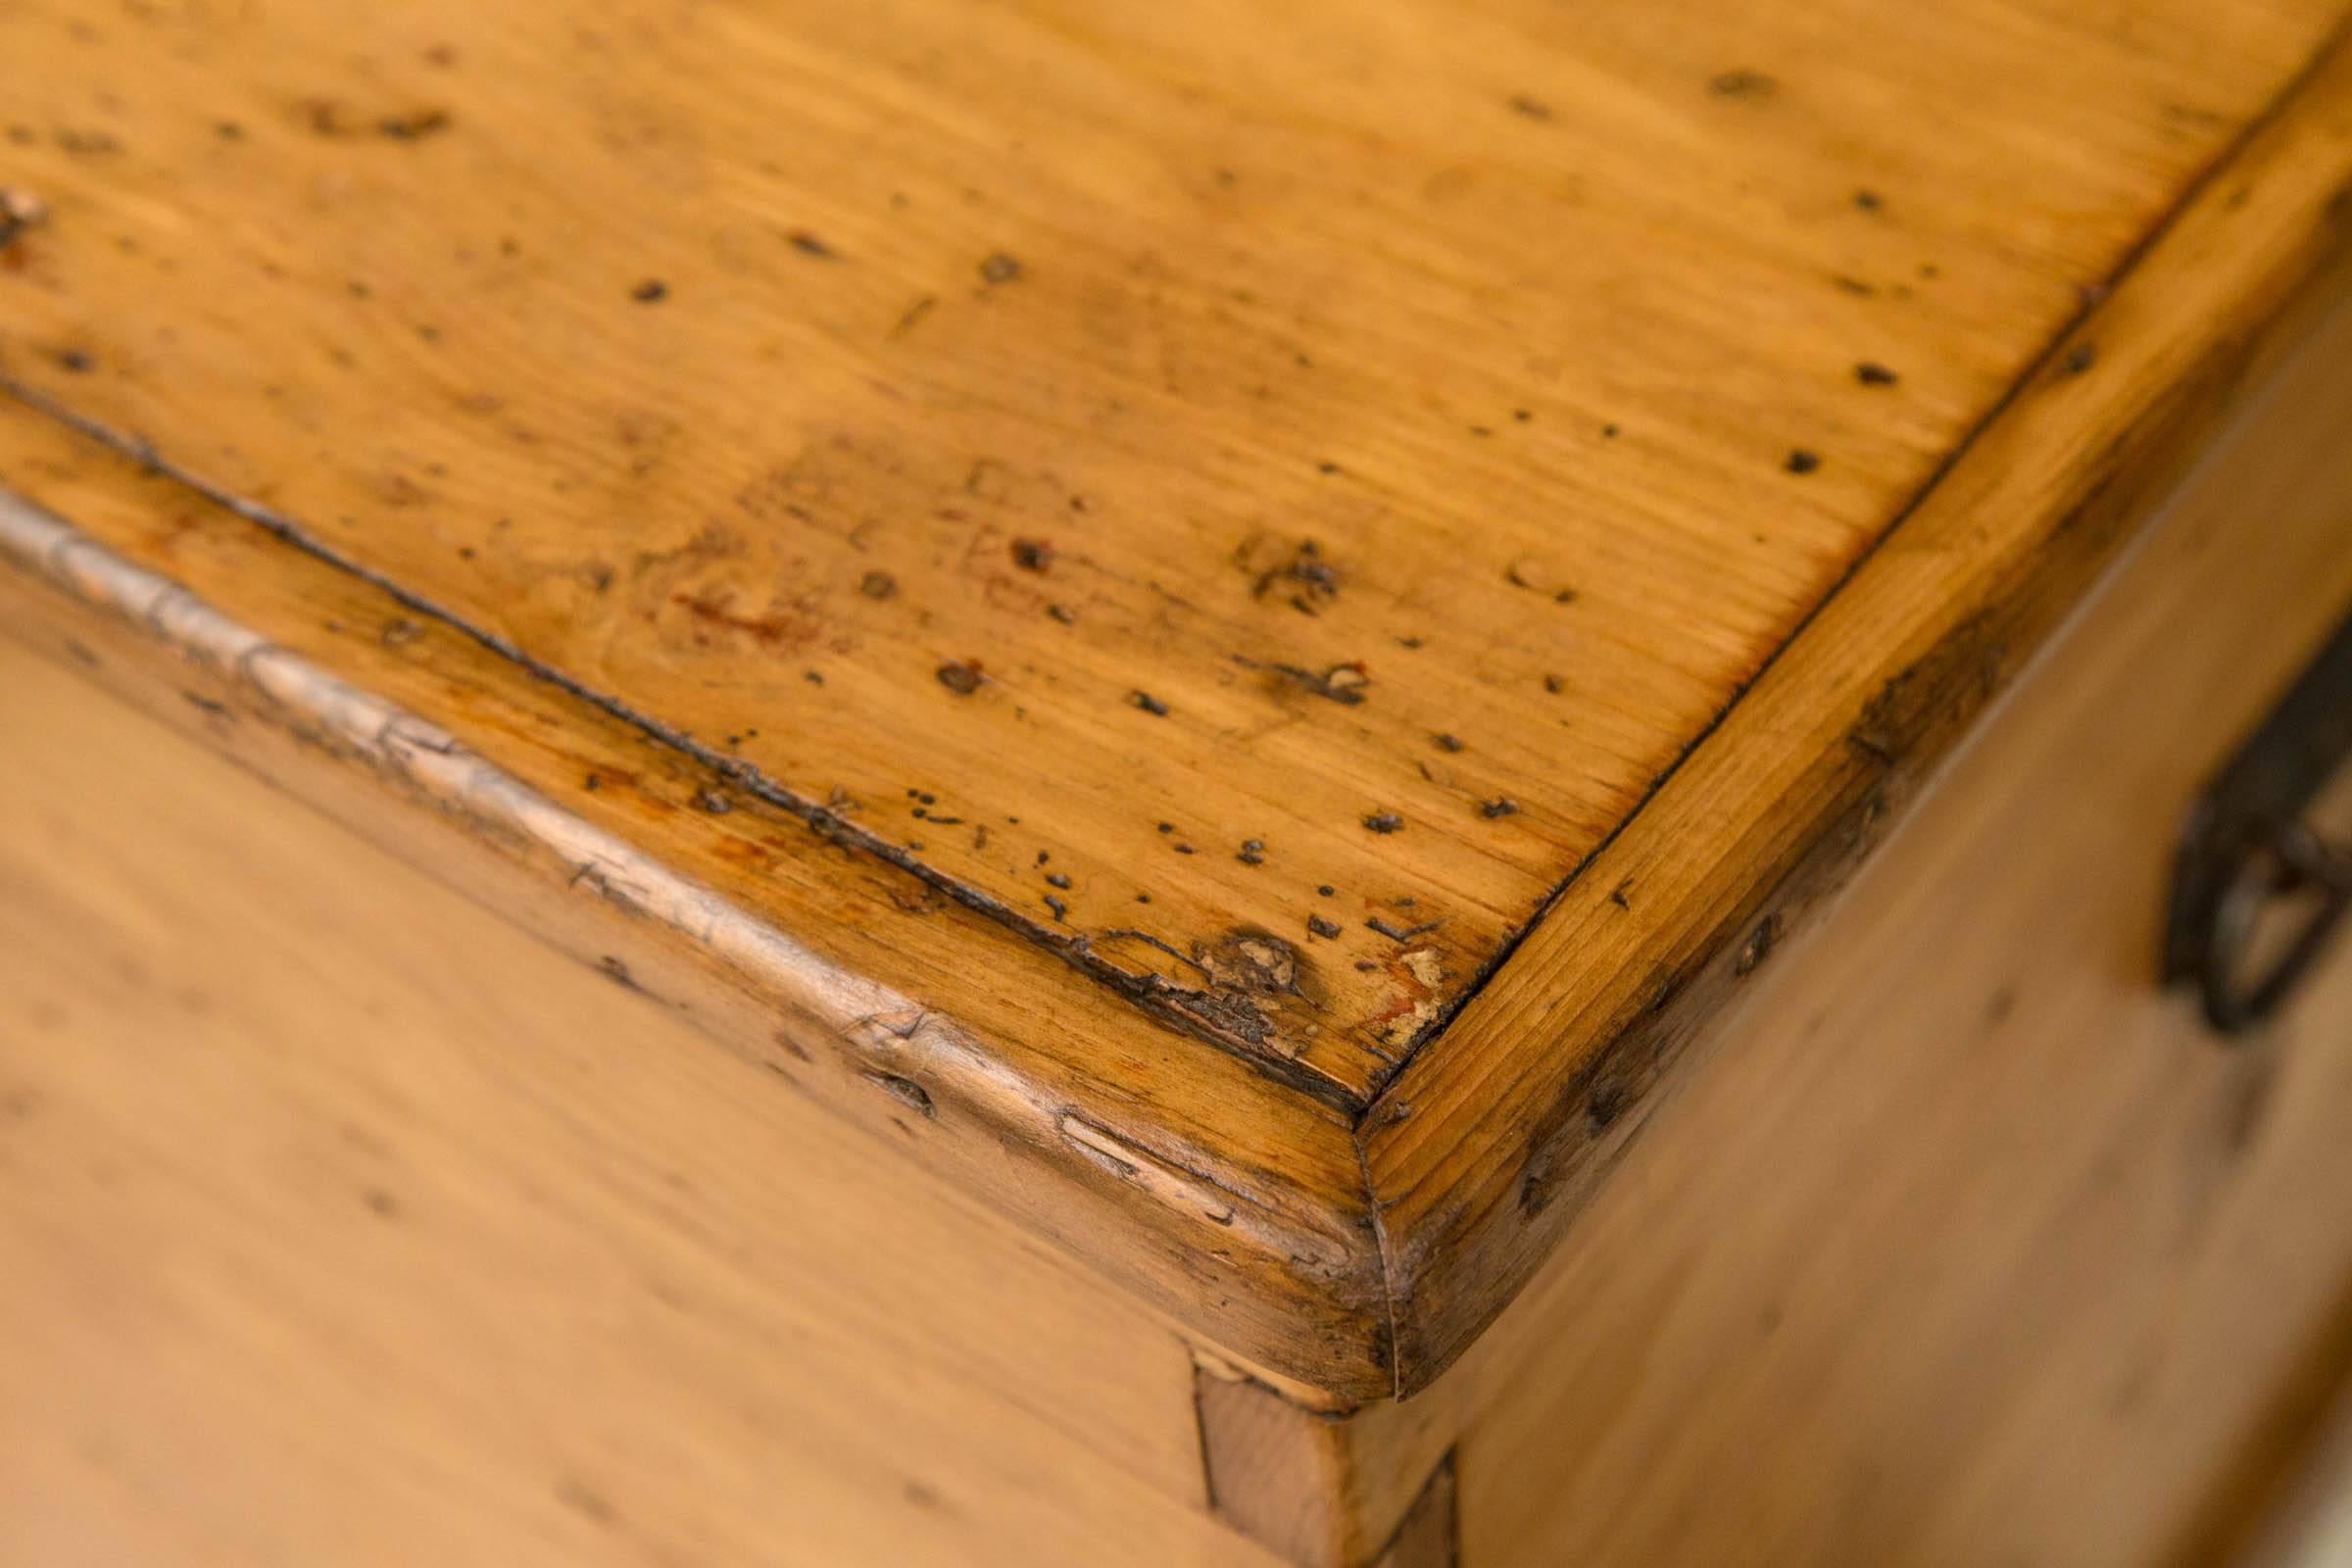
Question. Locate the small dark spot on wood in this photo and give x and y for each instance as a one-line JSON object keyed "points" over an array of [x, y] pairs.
{"points": [[1554, 685], [81, 143], [1999, 1006], [206, 704], [1326, 929], [1872, 373], [399, 632], [878, 585], [2081, 358], [1499, 806], [78, 361], [1251, 853], [1608, 433], [1527, 108], [1383, 821], [1365, 966], [1447, 740], [1743, 83], [1149, 703], [414, 125], [1801, 461], [1870, 201], [1617, 894], [1063, 614], [913, 314], [1000, 268], [652, 291], [381, 1202], [81, 652], [592, 783], [1604, 1106], [814, 677], [809, 244], [1325, 889], [906, 1091], [960, 676], [1061, 910], [920, 1495], [1058, 879], [712, 800], [613, 969], [579, 1496], [1304, 570], [1032, 554]]}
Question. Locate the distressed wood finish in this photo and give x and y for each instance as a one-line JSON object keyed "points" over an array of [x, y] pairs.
{"points": [[1172, 1214], [343, 1222], [1484, 1149], [1625, 455], [1978, 1248], [904, 403]]}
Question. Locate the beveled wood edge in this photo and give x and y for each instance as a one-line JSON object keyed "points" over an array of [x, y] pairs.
{"points": [[1448, 1258], [1148, 1219], [1483, 1149], [1209, 1014]]}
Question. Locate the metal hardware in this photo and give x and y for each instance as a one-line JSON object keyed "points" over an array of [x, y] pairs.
{"points": [[2245, 845]]}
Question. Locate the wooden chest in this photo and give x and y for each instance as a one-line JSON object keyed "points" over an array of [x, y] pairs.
{"points": [[1346, 783]]}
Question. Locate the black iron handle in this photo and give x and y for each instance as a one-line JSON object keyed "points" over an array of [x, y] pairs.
{"points": [[2246, 846]]}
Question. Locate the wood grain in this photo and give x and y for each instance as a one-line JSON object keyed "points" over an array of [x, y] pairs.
{"points": [[604, 534], [1972, 1244], [343, 1222], [1122, 1163], [1326, 1488], [906, 403], [1483, 1150]]}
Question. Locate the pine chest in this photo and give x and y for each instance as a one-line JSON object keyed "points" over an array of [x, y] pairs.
{"points": [[1340, 783]]}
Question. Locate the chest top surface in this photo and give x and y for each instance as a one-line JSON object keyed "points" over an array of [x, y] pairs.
{"points": [[1248, 500]]}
